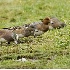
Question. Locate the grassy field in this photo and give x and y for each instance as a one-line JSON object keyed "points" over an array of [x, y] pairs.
{"points": [[51, 49]]}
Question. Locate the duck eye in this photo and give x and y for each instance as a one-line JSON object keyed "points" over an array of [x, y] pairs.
{"points": [[52, 23]]}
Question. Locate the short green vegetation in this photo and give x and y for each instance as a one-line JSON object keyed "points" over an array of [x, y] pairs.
{"points": [[49, 50]]}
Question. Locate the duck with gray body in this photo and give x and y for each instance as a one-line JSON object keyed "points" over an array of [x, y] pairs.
{"points": [[41, 27], [56, 23], [8, 36]]}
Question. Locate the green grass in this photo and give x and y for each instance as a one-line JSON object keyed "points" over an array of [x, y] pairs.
{"points": [[50, 50]]}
